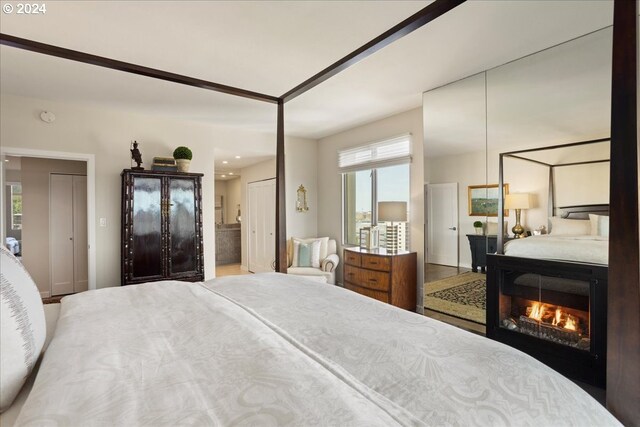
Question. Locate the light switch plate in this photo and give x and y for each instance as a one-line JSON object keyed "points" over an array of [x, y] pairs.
{"points": [[103, 222]]}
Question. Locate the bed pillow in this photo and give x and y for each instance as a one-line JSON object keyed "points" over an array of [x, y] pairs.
{"points": [[22, 324], [564, 227], [599, 225], [306, 254]]}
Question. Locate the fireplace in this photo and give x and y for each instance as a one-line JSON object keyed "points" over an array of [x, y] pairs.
{"points": [[554, 311]]}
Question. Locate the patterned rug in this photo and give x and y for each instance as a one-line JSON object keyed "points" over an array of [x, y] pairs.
{"points": [[461, 296]]}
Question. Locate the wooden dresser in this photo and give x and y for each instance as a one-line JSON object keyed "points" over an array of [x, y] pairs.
{"points": [[387, 277]]}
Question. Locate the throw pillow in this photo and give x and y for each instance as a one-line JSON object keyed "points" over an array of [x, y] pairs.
{"points": [[306, 254], [324, 245], [599, 225], [22, 324]]}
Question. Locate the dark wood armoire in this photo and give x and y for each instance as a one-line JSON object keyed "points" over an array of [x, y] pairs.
{"points": [[161, 226]]}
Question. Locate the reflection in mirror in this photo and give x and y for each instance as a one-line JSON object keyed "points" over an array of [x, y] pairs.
{"points": [[557, 97], [548, 137], [455, 169]]}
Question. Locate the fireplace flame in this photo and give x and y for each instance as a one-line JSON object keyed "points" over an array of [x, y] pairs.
{"points": [[571, 323], [537, 310], [560, 319]]}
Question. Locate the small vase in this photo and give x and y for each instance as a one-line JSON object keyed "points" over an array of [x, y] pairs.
{"points": [[183, 165], [479, 231]]}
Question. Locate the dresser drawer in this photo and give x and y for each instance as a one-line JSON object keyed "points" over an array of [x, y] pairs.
{"points": [[377, 280], [380, 296], [352, 258], [376, 262], [352, 274]]}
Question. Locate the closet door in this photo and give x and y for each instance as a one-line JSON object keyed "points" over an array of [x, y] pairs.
{"points": [[183, 244], [261, 210], [80, 239], [61, 247]]}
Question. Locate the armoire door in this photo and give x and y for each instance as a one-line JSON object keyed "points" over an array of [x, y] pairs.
{"points": [[261, 209], [183, 244], [145, 250]]}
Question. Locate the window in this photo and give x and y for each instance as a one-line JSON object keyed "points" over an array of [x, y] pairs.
{"points": [[374, 173], [16, 206]]}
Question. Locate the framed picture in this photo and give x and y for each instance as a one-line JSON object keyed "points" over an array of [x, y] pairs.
{"points": [[483, 200]]}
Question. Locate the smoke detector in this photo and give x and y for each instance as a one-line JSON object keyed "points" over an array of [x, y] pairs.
{"points": [[47, 116]]}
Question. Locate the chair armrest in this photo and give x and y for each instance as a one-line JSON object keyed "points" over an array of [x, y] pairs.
{"points": [[330, 262]]}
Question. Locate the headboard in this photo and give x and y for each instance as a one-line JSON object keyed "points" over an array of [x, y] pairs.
{"points": [[583, 211]]}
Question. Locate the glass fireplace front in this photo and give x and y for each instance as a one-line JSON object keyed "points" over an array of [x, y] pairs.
{"points": [[550, 308]]}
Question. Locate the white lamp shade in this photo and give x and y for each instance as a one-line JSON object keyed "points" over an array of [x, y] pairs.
{"points": [[392, 211], [517, 201]]}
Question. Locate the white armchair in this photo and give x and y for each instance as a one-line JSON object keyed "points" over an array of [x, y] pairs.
{"points": [[329, 261]]}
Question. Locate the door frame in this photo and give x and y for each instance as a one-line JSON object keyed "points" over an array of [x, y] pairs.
{"points": [[91, 194]]}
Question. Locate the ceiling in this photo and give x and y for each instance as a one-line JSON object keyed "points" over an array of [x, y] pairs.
{"points": [[270, 47]]}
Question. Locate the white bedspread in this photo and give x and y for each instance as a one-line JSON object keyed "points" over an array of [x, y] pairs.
{"points": [[589, 249], [280, 350]]}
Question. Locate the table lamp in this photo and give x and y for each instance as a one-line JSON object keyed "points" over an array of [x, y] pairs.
{"points": [[394, 213], [517, 201]]}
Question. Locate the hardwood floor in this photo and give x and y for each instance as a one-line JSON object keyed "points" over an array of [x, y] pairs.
{"points": [[230, 270], [467, 325], [434, 272]]}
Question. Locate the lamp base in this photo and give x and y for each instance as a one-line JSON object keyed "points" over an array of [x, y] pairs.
{"points": [[518, 229]]}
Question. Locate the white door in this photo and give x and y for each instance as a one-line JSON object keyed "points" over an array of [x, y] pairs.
{"points": [[442, 224], [61, 234], [261, 207], [80, 239], [69, 249]]}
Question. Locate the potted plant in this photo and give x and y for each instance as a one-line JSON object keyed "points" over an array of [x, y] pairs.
{"points": [[478, 226], [183, 156]]}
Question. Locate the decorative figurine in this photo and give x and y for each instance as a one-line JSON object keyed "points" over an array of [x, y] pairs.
{"points": [[137, 157]]}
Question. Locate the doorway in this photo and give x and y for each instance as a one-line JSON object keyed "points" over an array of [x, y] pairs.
{"points": [[36, 247], [228, 222]]}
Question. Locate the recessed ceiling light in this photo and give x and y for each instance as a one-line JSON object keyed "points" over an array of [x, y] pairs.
{"points": [[224, 176], [224, 162], [237, 157], [6, 160], [230, 173]]}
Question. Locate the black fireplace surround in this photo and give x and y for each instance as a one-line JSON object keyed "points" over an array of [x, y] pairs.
{"points": [[571, 338]]}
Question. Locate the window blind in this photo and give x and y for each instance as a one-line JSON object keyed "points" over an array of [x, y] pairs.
{"points": [[378, 154]]}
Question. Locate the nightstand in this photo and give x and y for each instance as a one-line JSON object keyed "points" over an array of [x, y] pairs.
{"points": [[482, 245], [387, 277]]}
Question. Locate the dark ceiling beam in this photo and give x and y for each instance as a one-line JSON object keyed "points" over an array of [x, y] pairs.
{"points": [[101, 61], [412, 23]]}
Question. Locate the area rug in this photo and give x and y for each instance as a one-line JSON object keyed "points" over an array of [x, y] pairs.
{"points": [[461, 296]]}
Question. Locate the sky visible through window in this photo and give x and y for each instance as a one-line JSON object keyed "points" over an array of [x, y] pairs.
{"points": [[393, 185]]}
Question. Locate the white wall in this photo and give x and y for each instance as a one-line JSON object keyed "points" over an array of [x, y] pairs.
{"points": [[301, 168], [330, 189], [107, 134]]}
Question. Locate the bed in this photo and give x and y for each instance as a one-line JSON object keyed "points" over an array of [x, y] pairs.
{"points": [[273, 349], [578, 248]]}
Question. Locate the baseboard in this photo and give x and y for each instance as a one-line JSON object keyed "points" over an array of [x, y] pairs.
{"points": [[244, 267], [45, 294]]}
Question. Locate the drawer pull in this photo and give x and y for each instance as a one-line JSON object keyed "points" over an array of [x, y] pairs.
{"points": [[373, 263], [349, 274], [373, 280]]}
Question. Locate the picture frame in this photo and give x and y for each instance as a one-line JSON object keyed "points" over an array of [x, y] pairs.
{"points": [[483, 200]]}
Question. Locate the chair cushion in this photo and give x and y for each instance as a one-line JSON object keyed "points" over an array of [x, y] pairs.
{"points": [[324, 243], [22, 325]]}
